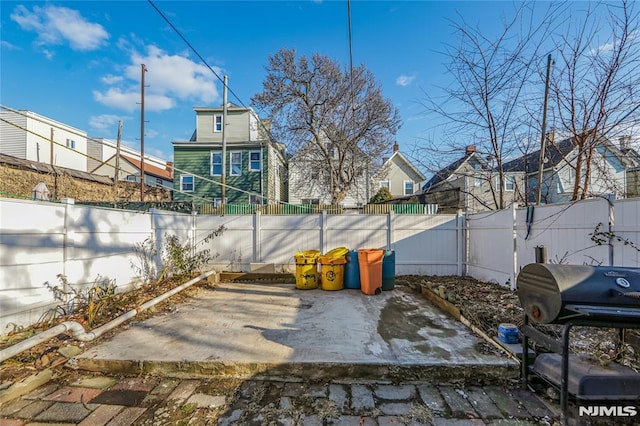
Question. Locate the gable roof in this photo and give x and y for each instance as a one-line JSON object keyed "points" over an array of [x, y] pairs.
{"points": [[149, 169], [556, 153], [444, 174], [529, 163], [407, 162]]}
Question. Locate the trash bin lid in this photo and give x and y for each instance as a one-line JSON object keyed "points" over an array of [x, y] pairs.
{"points": [[325, 260], [337, 253], [308, 254]]}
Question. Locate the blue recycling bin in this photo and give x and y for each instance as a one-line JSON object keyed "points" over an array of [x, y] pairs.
{"points": [[389, 270], [352, 271]]}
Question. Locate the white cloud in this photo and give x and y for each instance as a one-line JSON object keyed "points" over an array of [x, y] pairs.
{"points": [[608, 47], [169, 78], [104, 122], [6, 45], [129, 100], [404, 80], [112, 79], [57, 25], [176, 75]]}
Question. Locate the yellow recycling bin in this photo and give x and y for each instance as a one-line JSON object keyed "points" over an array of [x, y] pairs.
{"points": [[307, 269], [332, 269]]}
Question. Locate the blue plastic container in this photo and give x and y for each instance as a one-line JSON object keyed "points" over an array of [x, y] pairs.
{"points": [[508, 333], [352, 271], [389, 270]]}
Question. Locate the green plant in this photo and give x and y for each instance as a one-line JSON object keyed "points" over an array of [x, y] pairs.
{"points": [[383, 194], [91, 302], [183, 260], [144, 265]]}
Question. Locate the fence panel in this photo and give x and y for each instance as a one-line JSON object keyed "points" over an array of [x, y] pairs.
{"points": [[563, 229], [427, 245], [627, 228], [355, 232], [101, 244], [234, 247], [31, 253], [490, 246]]}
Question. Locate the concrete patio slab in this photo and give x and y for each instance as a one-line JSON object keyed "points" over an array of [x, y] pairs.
{"points": [[245, 330]]}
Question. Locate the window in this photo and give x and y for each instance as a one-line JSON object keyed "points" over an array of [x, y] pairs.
{"points": [[477, 167], [235, 168], [187, 183], [255, 199], [217, 123], [510, 183], [216, 163], [254, 161], [384, 184], [71, 144], [310, 201], [159, 182], [408, 187], [132, 178]]}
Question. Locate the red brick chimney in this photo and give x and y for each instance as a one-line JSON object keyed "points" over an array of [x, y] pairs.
{"points": [[470, 149], [169, 167], [396, 147]]}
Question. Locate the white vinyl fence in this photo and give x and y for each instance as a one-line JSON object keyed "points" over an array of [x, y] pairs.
{"points": [[41, 240], [501, 243]]}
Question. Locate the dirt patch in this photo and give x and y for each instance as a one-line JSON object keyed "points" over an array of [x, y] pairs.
{"points": [[488, 305]]}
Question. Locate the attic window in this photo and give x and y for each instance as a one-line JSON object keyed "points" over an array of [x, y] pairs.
{"points": [[217, 123]]}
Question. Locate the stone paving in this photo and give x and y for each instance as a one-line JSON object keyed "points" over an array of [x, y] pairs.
{"points": [[101, 400]]}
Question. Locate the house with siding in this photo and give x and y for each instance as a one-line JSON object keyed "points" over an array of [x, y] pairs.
{"points": [[470, 183], [129, 169], [398, 175], [309, 177], [609, 171], [255, 165], [30, 136]]}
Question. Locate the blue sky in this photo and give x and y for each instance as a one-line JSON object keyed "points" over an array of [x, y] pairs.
{"points": [[78, 62]]}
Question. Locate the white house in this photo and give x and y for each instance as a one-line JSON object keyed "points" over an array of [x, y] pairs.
{"points": [[398, 175], [308, 180], [30, 136]]}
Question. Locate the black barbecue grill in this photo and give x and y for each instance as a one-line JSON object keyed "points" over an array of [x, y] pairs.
{"points": [[595, 296], [556, 294]]}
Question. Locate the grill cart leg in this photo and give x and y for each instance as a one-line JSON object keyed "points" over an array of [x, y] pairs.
{"points": [[525, 355], [564, 381]]}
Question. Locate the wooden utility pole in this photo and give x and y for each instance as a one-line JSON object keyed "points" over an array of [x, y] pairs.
{"points": [[224, 141], [116, 174], [51, 147], [143, 70], [543, 142]]}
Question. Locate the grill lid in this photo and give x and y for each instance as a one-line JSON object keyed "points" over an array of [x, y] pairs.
{"points": [[552, 293]]}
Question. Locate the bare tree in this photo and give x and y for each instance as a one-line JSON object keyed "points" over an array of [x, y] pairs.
{"points": [[487, 103], [336, 122], [596, 83]]}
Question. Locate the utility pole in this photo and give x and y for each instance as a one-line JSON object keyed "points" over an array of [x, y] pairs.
{"points": [[143, 70], [543, 142], [51, 147], [224, 141], [116, 174]]}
